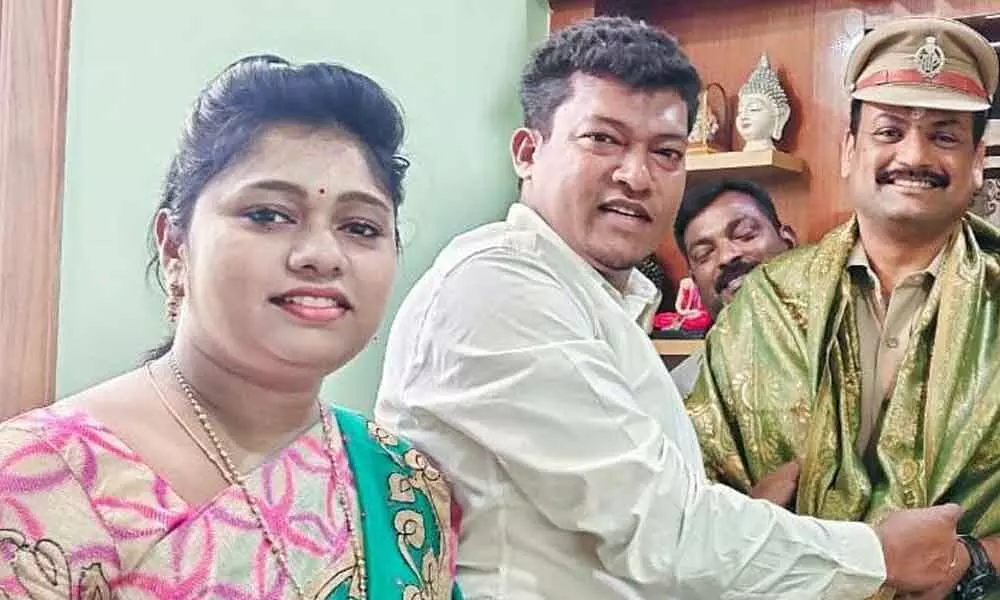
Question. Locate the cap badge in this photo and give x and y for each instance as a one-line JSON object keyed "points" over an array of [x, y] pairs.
{"points": [[929, 58]]}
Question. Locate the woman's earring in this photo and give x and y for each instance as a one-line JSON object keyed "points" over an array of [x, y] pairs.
{"points": [[175, 292]]}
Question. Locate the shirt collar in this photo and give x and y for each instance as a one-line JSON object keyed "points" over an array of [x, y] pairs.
{"points": [[857, 261], [639, 292]]}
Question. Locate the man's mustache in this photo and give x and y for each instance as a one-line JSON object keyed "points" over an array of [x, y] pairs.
{"points": [[887, 176], [731, 271]]}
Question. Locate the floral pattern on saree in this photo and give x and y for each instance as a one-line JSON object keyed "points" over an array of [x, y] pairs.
{"points": [[82, 517]]}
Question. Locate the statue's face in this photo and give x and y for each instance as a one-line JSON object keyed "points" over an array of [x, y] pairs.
{"points": [[756, 118]]}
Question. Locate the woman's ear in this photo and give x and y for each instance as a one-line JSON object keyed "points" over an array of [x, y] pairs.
{"points": [[168, 241]]}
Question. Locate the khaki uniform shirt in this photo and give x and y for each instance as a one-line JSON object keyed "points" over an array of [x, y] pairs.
{"points": [[884, 328]]}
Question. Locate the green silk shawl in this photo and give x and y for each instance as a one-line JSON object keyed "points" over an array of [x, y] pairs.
{"points": [[781, 379]]}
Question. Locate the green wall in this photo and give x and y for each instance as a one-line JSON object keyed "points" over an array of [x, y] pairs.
{"points": [[136, 66]]}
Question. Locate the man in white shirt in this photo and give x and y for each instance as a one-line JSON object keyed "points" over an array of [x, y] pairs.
{"points": [[724, 229], [518, 363]]}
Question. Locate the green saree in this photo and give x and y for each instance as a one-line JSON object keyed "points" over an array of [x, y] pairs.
{"points": [[409, 553]]}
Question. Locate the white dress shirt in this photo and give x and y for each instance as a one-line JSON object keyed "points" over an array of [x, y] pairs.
{"points": [[527, 378]]}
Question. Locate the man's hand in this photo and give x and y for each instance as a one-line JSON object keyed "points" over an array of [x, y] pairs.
{"points": [[944, 589], [921, 549], [779, 485]]}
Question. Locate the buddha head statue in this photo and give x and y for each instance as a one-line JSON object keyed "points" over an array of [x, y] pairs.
{"points": [[763, 108]]}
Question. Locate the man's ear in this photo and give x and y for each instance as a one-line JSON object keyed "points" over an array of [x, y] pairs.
{"points": [[788, 234], [524, 143], [846, 154], [978, 164]]}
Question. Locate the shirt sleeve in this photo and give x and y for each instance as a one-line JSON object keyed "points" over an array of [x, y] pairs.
{"points": [[507, 356], [52, 542]]}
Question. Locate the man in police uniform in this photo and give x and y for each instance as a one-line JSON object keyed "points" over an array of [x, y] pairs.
{"points": [[872, 357]]}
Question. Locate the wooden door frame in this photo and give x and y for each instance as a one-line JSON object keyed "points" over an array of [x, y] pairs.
{"points": [[34, 52]]}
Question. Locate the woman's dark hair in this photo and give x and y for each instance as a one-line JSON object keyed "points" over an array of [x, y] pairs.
{"points": [[260, 91]]}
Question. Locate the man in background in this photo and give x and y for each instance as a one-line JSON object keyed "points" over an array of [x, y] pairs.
{"points": [[724, 229]]}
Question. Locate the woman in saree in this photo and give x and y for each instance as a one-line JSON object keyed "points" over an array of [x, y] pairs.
{"points": [[213, 470]]}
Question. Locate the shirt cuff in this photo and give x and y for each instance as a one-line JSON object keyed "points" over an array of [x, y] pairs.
{"points": [[863, 571]]}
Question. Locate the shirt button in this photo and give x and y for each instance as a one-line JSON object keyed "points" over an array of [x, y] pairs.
{"points": [[892, 342]]}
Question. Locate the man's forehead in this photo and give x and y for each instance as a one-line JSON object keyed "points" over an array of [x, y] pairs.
{"points": [[729, 206], [599, 98], [917, 114]]}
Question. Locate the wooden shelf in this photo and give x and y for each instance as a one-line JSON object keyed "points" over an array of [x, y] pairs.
{"points": [[677, 347], [755, 164]]}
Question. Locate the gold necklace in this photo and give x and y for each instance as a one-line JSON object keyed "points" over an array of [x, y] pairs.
{"points": [[183, 425], [230, 473]]}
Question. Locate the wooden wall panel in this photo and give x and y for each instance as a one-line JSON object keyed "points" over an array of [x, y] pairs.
{"points": [[33, 55], [836, 29], [638, 9], [565, 12], [808, 42]]}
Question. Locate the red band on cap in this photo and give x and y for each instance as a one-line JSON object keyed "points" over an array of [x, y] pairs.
{"points": [[948, 79]]}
